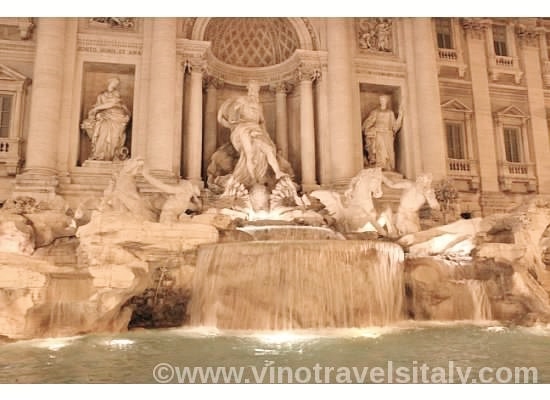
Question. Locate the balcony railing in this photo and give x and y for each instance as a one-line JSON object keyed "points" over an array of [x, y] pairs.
{"points": [[461, 166], [10, 154], [448, 54], [504, 61], [517, 176], [514, 168]]}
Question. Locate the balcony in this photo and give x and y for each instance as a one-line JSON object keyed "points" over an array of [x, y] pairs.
{"points": [[10, 156], [505, 65], [464, 170], [451, 58], [517, 177]]}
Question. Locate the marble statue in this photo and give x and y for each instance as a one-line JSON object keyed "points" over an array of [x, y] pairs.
{"points": [[243, 115], [122, 193], [355, 208], [106, 124], [379, 129], [183, 197], [413, 197]]}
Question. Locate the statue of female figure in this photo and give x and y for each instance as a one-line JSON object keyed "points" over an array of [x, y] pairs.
{"points": [[257, 152], [379, 129], [106, 124]]}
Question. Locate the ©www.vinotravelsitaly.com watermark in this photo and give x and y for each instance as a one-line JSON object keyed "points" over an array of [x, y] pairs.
{"points": [[414, 372]]}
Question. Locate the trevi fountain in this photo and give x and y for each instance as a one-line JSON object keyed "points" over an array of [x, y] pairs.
{"points": [[253, 269]]}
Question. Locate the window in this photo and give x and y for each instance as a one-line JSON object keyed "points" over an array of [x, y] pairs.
{"points": [[5, 114], [512, 144], [443, 30], [548, 44], [499, 40], [455, 140]]}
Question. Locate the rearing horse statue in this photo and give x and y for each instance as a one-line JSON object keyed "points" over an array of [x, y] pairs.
{"points": [[355, 208]]}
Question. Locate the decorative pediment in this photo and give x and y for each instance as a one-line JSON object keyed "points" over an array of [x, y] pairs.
{"points": [[10, 79], [8, 74], [456, 105], [511, 112]]}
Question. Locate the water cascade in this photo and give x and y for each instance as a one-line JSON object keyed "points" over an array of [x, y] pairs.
{"points": [[299, 284]]}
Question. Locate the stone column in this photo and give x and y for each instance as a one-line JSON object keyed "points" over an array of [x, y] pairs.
{"points": [[486, 145], [306, 76], [193, 145], [210, 121], [529, 41], [39, 177], [347, 154], [281, 123], [323, 133], [47, 89], [433, 150], [162, 102]]}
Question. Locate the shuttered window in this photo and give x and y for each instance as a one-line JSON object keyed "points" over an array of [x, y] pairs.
{"points": [[5, 114], [455, 140], [512, 144], [499, 40], [443, 30]]}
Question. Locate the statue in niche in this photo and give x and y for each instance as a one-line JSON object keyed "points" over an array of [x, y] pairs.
{"points": [[106, 125], [379, 130], [243, 115], [375, 34]]}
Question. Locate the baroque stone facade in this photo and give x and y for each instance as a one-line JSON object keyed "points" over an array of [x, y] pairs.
{"points": [[473, 95]]}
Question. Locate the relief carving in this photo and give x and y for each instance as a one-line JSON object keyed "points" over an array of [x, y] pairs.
{"points": [[375, 34]]}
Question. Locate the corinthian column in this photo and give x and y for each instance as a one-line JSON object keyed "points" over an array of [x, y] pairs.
{"points": [[210, 121], [281, 124], [432, 139], [162, 101], [306, 77], [193, 145], [486, 146], [47, 89], [529, 43], [347, 154]]}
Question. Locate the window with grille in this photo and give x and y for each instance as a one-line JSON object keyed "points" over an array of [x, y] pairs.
{"points": [[455, 140], [444, 31], [5, 114], [499, 40], [512, 144]]}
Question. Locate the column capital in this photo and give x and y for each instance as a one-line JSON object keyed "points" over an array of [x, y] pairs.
{"points": [[308, 72], [285, 87], [528, 36], [210, 81], [475, 27], [194, 62]]}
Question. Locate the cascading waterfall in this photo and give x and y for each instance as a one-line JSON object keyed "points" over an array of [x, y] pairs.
{"points": [[66, 307], [481, 304], [281, 285]]}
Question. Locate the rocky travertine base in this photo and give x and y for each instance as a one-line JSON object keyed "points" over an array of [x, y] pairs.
{"points": [[489, 268], [43, 295]]}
